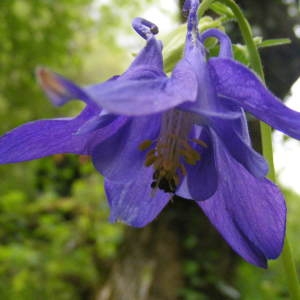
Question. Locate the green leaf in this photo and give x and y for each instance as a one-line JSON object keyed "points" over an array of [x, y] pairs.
{"points": [[241, 54], [274, 42], [222, 9]]}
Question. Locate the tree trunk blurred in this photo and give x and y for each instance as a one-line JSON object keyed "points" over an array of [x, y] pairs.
{"points": [[177, 255], [148, 266]]}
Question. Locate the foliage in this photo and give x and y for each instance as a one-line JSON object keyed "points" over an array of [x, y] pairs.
{"points": [[56, 248], [34, 33]]}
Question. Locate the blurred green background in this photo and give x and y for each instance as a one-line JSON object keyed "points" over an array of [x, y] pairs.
{"points": [[55, 239]]}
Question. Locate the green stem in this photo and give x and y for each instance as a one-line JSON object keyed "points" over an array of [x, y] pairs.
{"points": [[266, 133], [205, 4]]}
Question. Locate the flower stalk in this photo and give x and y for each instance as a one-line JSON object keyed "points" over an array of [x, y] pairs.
{"points": [[255, 61]]}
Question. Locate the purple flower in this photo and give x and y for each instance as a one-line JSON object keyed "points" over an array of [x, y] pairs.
{"points": [[154, 136]]}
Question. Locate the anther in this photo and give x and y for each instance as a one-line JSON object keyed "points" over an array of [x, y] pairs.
{"points": [[145, 145], [200, 143], [171, 152], [150, 159]]}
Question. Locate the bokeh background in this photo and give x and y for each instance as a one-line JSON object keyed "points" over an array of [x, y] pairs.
{"points": [[55, 239]]}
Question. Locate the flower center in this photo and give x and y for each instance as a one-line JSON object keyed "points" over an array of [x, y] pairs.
{"points": [[172, 150]]}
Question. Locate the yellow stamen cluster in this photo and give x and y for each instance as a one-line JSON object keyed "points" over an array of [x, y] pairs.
{"points": [[167, 158], [172, 150]]}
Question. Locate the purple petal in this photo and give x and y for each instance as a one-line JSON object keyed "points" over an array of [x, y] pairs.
{"points": [[183, 190], [231, 126], [224, 40], [202, 179], [184, 82], [241, 86], [98, 121], [237, 143], [249, 213], [147, 65], [149, 58], [141, 97], [135, 203], [118, 158], [46, 137]]}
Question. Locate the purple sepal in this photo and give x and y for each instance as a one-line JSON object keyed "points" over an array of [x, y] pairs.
{"points": [[250, 213], [134, 202], [237, 84]]}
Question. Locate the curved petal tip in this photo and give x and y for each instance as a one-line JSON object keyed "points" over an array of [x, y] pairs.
{"points": [[52, 86]]}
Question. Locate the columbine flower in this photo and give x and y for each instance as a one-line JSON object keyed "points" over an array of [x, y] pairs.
{"points": [[185, 135]]}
